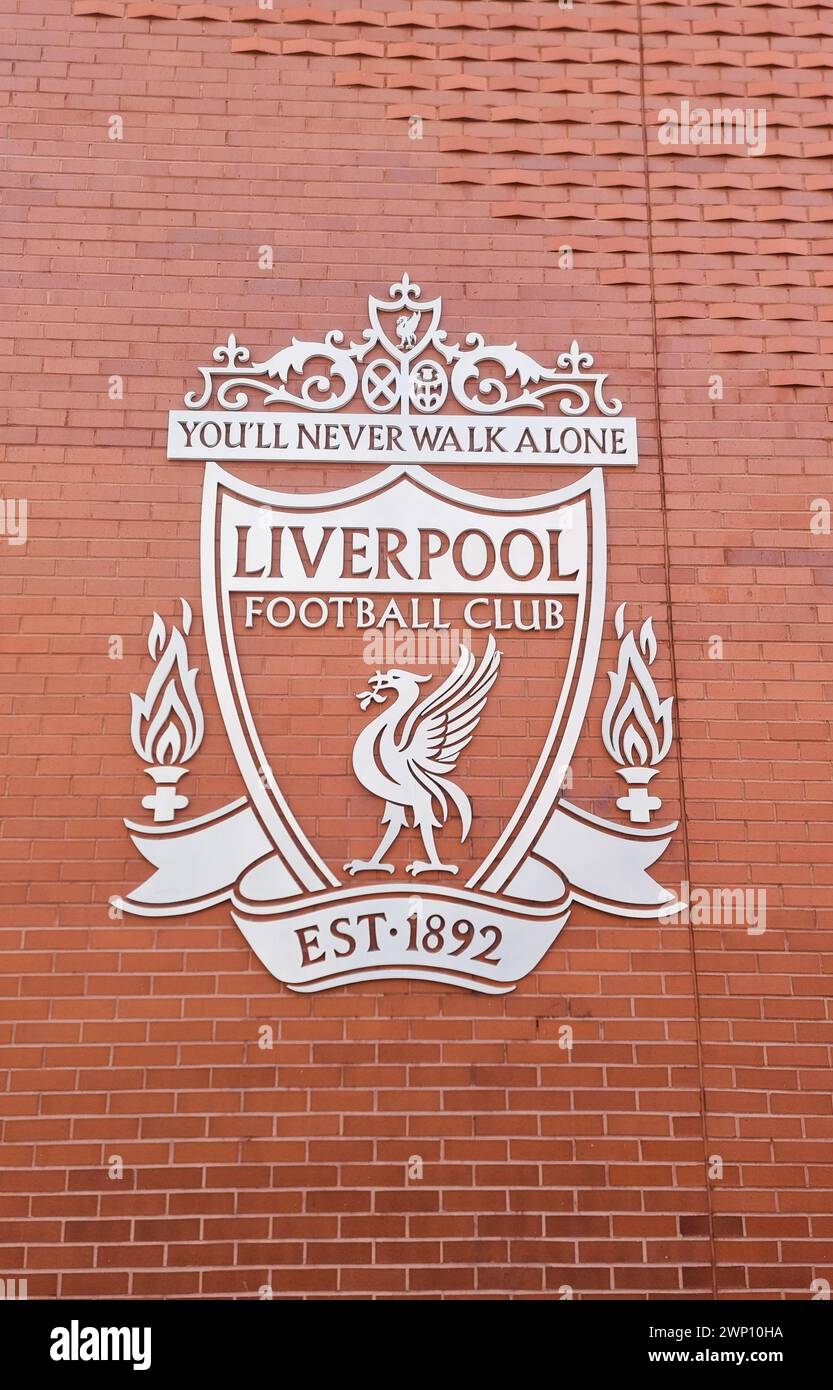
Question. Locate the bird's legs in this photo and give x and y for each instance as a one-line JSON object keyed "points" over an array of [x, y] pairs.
{"points": [[433, 862], [395, 816]]}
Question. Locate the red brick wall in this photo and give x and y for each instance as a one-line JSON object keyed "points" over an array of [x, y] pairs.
{"points": [[133, 257]]}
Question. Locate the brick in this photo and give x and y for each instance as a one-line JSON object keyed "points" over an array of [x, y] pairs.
{"points": [[290, 128]]}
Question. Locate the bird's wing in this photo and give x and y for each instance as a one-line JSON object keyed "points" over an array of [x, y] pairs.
{"points": [[442, 724]]}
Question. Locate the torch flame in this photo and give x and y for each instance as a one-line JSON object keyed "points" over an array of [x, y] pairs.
{"points": [[636, 726], [167, 726]]}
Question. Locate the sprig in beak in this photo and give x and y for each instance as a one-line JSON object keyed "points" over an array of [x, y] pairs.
{"points": [[366, 697]]}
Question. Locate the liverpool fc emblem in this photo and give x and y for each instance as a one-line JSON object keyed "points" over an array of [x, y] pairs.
{"points": [[403, 810]]}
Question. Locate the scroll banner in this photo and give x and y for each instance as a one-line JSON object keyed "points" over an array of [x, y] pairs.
{"points": [[350, 934]]}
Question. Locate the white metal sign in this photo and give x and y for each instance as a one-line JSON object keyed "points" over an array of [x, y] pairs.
{"points": [[403, 376], [438, 611]]}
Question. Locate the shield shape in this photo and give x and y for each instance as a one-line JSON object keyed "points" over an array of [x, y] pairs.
{"points": [[310, 600], [403, 324]]}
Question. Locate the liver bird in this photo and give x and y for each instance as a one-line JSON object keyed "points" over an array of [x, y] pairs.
{"points": [[406, 329], [405, 755]]}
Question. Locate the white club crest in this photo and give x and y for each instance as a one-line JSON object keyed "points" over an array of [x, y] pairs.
{"points": [[402, 812]]}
